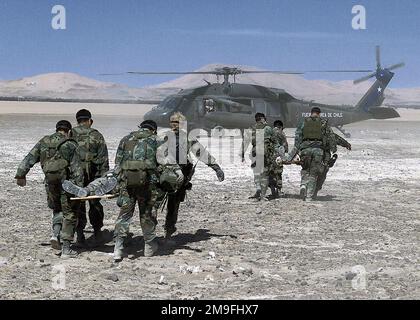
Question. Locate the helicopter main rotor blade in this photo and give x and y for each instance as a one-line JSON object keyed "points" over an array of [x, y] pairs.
{"points": [[112, 74], [364, 78], [396, 66], [378, 57], [170, 72], [338, 71], [311, 71], [278, 72]]}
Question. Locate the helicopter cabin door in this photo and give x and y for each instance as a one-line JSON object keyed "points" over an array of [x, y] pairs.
{"points": [[260, 106]]}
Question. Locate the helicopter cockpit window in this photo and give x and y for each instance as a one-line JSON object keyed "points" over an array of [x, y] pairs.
{"points": [[170, 103]]}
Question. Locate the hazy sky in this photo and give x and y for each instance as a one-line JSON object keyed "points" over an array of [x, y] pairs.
{"points": [[116, 36]]}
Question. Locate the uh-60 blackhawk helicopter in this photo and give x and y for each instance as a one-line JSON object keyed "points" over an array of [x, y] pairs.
{"points": [[232, 105]]}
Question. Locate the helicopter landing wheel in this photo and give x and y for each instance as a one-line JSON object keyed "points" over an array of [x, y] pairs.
{"points": [[219, 129]]}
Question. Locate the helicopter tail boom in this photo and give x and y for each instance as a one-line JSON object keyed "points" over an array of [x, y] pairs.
{"points": [[383, 113]]}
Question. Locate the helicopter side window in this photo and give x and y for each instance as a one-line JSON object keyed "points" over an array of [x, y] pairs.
{"points": [[245, 106]]}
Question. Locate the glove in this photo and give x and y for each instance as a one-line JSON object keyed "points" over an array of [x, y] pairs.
{"points": [[348, 147], [21, 182], [180, 178], [279, 160], [220, 175], [219, 172]]}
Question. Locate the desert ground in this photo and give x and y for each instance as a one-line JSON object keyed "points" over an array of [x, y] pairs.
{"points": [[360, 240]]}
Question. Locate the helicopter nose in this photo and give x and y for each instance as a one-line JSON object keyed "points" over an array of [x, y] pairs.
{"points": [[160, 118]]}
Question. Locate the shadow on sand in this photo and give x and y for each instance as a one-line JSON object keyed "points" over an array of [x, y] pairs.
{"points": [[318, 198], [134, 246]]}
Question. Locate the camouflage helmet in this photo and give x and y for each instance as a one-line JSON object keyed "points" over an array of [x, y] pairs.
{"points": [[171, 178]]}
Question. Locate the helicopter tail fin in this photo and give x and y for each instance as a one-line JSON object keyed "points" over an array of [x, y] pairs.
{"points": [[375, 95], [372, 100]]}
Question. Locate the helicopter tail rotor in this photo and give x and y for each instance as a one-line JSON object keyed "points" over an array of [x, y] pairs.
{"points": [[380, 72]]}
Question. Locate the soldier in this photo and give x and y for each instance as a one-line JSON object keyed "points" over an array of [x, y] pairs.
{"points": [[330, 161], [313, 136], [59, 161], [264, 151], [275, 181], [136, 157], [94, 157], [183, 147]]}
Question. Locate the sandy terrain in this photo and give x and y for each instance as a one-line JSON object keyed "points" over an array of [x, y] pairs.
{"points": [[71, 85], [229, 246]]}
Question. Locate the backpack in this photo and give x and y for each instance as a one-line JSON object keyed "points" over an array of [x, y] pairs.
{"points": [[86, 156], [312, 129], [141, 149], [53, 164]]}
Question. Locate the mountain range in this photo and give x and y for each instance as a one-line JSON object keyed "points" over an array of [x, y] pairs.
{"points": [[74, 86]]}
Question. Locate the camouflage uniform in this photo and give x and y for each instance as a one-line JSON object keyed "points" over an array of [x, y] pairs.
{"points": [[145, 195], [261, 173], [94, 157], [340, 141], [280, 148], [311, 151], [65, 212], [184, 148]]}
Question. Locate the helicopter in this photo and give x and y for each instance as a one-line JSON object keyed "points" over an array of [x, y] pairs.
{"points": [[233, 105]]}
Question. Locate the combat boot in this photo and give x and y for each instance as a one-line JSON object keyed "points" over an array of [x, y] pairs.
{"points": [[71, 188], [106, 186], [80, 239], [118, 249], [55, 238], [168, 240], [97, 237], [302, 192], [150, 248], [67, 252], [257, 195], [274, 194]]}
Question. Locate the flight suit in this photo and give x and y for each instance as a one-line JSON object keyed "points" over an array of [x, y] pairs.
{"points": [[183, 148]]}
